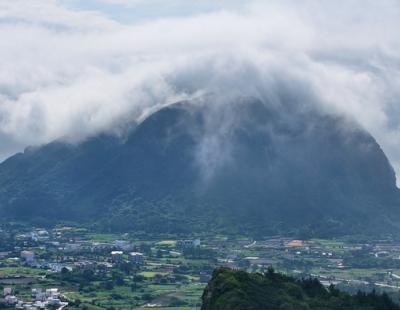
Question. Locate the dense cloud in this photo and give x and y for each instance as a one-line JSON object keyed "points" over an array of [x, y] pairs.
{"points": [[73, 73]]}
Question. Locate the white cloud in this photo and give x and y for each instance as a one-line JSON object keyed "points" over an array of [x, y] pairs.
{"points": [[51, 15], [173, 3], [69, 73], [134, 3]]}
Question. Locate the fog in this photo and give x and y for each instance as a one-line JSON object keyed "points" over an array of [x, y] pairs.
{"points": [[68, 72]]}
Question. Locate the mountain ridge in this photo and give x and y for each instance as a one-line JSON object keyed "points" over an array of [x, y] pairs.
{"points": [[213, 165]]}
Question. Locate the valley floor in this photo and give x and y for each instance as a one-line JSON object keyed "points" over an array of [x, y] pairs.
{"points": [[94, 270]]}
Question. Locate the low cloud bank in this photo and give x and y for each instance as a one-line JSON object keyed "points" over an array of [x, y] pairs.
{"points": [[71, 74]]}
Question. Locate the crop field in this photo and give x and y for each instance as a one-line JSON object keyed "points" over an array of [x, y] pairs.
{"points": [[173, 274]]}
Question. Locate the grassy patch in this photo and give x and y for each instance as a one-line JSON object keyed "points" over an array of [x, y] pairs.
{"points": [[100, 237], [152, 274], [21, 271], [330, 243], [166, 243]]}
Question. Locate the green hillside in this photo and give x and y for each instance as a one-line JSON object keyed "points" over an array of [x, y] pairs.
{"points": [[238, 290]]}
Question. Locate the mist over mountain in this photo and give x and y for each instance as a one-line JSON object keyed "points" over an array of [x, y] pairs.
{"points": [[146, 143], [249, 165], [73, 68]]}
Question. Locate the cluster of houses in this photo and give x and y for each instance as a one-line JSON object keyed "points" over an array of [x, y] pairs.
{"points": [[73, 250], [40, 235], [29, 258], [135, 258], [188, 243], [41, 299], [84, 246]]}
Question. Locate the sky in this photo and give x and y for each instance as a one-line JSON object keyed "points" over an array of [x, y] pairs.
{"points": [[134, 11], [70, 69]]}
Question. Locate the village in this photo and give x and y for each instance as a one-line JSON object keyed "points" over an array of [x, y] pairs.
{"points": [[76, 268]]}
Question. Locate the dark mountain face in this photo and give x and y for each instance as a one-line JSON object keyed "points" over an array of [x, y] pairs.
{"points": [[189, 166]]}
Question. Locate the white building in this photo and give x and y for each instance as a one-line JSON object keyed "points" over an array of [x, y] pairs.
{"points": [[136, 258], [28, 256], [117, 256], [52, 293], [54, 302], [196, 243], [7, 291], [40, 305], [11, 300], [40, 235], [101, 246], [72, 247], [188, 243], [38, 294]]}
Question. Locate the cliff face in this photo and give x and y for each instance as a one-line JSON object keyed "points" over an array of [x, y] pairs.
{"points": [[248, 164]]}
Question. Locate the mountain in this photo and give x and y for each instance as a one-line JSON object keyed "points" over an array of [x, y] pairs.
{"points": [[239, 290], [246, 166]]}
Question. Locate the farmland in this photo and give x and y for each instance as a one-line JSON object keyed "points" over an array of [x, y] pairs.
{"points": [[95, 270]]}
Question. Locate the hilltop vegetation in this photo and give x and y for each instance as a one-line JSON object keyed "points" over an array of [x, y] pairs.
{"points": [[238, 290]]}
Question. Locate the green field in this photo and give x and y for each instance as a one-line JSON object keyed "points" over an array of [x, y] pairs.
{"points": [[102, 237], [166, 243], [152, 274], [21, 271]]}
